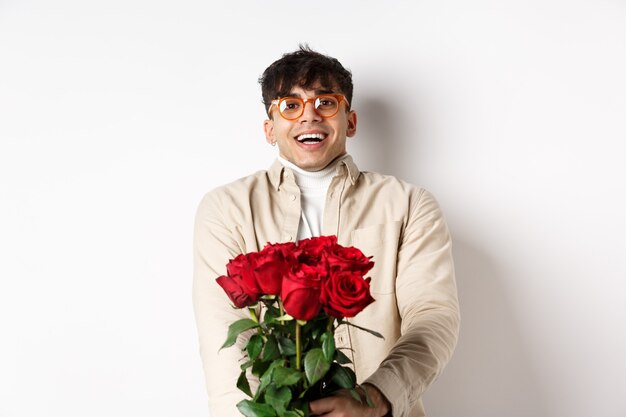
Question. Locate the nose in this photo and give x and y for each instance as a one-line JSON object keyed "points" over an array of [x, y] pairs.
{"points": [[309, 113]]}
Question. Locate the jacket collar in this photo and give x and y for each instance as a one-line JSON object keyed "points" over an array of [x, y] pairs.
{"points": [[345, 165]]}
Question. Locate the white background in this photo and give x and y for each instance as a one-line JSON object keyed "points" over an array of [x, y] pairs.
{"points": [[117, 116]]}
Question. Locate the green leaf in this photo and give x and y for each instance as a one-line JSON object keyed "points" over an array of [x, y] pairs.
{"points": [[286, 376], [287, 346], [362, 328], [298, 409], [267, 378], [251, 409], [271, 351], [271, 313], [242, 384], [259, 367], [344, 377], [341, 357], [265, 381], [278, 398], [328, 346], [315, 365], [236, 329], [254, 346]]}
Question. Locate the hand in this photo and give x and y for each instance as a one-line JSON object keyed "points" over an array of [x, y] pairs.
{"points": [[341, 404]]}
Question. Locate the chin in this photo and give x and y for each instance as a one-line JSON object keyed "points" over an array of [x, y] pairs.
{"points": [[310, 165]]}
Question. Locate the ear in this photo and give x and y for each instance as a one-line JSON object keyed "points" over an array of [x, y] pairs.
{"points": [[268, 128], [351, 128]]}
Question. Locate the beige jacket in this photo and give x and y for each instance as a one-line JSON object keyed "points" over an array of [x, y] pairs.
{"points": [[401, 226]]}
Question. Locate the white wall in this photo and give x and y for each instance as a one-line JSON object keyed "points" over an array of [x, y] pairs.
{"points": [[116, 116]]}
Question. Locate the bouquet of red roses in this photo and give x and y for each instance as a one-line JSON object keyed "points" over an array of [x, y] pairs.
{"points": [[303, 291]]}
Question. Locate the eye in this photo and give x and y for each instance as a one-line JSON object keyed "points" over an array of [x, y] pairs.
{"points": [[289, 105], [326, 102]]}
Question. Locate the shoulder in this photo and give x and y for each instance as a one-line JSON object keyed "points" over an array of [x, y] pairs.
{"points": [[397, 195], [389, 185]]}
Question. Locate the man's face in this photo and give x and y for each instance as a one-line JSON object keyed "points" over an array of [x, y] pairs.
{"points": [[310, 155]]}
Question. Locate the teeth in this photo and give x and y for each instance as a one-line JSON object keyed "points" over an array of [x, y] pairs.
{"points": [[315, 137]]}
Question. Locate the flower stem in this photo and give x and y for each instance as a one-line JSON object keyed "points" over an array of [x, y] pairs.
{"points": [[298, 346], [282, 310]]}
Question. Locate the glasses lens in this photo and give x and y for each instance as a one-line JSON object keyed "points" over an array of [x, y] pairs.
{"points": [[293, 107], [326, 105], [290, 107]]}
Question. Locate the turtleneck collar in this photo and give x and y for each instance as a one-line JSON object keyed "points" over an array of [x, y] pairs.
{"points": [[311, 179], [345, 166]]}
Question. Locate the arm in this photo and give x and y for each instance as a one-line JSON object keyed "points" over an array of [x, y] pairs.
{"points": [[214, 244], [427, 302]]}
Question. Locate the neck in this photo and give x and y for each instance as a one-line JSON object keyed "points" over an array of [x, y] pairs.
{"points": [[311, 179]]}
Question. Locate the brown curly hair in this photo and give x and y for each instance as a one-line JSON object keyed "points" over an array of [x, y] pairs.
{"points": [[304, 67]]}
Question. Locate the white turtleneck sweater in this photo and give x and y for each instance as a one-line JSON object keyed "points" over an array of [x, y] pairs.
{"points": [[313, 188]]}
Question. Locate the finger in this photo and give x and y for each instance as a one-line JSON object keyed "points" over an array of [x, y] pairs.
{"points": [[322, 406]]}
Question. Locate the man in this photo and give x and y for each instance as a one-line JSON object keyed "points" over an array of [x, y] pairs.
{"points": [[314, 188]]}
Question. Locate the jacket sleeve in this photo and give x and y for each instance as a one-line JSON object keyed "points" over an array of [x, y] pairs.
{"points": [[427, 303], [213, 245]]}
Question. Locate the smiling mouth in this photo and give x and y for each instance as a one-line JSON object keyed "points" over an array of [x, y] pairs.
{"points": [[311, 138]]}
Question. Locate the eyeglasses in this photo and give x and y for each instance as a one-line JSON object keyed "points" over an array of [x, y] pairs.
{"points": [[326, 105]]}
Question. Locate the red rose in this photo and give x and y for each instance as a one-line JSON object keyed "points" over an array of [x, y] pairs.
{"points": [[270, 265], [345, 294], [233, 288], [310, 250], [286, 249], [348, 259], [240, 267], [301, 291]]}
